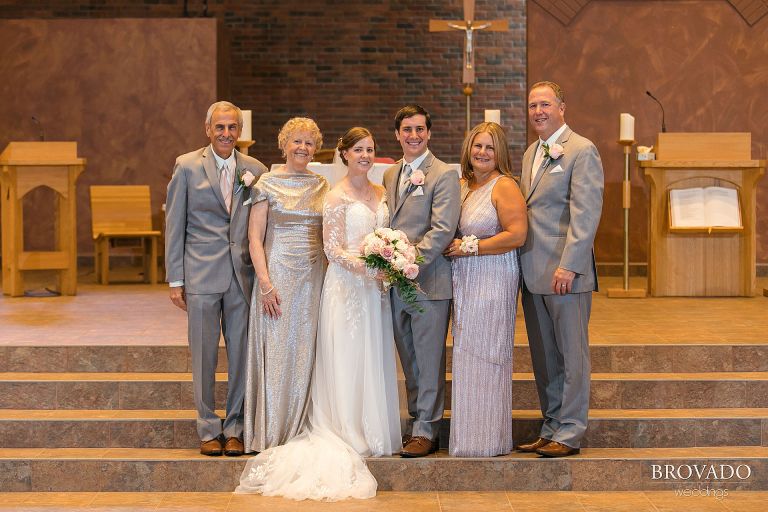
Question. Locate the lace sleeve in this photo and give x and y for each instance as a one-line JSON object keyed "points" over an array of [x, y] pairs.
{"points": [[334, 236]]}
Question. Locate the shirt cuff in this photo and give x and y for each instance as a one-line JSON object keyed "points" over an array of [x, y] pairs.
{"points": [[176, 284]]}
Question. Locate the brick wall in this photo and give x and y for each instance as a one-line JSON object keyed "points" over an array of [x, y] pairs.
{"points": [[346, 63]]}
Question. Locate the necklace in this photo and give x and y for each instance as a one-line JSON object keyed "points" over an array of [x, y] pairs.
{"points": [[366, 196]]}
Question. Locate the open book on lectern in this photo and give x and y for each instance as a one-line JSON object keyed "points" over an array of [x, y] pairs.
{"points": [[704, 207]]}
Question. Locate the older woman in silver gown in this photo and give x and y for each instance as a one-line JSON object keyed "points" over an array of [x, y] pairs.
{"points": [[286, 244], [486, 277]]}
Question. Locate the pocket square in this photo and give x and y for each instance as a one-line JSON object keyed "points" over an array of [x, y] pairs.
{"points": [[419, 191], [249, 201], [557, 169]]}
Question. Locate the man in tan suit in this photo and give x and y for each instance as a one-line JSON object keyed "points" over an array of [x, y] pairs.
{"points": [[562, 182], [424, 202]]}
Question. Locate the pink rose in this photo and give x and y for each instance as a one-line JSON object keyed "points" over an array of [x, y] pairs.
{"points": [[410, 254], [387, 252], [556, 151], [411, 271], [247, 178], [417, 177]]}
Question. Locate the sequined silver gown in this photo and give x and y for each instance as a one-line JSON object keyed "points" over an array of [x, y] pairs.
{"points": [[281, 352], [485, 292], [354, 409]]}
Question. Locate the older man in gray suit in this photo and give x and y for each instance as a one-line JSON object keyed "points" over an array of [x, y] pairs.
{"points": [[562, 182], [424, 202], [209, 268]]}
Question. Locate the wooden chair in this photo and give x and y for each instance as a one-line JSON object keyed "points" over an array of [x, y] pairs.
{"points": [[122, 211]]}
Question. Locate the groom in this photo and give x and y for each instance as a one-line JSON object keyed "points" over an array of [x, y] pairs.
{"points": [[424, 202], [209, 269]]}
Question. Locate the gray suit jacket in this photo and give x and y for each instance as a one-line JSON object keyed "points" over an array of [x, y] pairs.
{"points": [[429, 221], [564, 206], [204, 245]]}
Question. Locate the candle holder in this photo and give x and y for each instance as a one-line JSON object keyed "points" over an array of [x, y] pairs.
{"points": [[626, 292], [243, 145]]}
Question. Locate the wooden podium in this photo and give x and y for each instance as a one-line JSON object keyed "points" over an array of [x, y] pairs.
{"points": [[25, 166], [701, 261]]}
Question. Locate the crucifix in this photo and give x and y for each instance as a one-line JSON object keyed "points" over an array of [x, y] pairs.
{"points": [[469, 26]]}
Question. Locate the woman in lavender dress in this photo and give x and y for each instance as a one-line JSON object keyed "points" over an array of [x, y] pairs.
{"points": [[486, 278]]}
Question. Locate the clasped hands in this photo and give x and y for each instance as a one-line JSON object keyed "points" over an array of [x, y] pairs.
{"points": [[454, 249]]}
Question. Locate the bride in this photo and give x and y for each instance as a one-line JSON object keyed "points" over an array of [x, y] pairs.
{"points": [[354, 410]]}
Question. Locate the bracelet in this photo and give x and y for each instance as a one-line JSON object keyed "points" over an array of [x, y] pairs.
{"points": [[267, 292], [469, 244]]}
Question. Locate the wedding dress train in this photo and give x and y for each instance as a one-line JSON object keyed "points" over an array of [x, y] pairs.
{"points": [[354, 410]]}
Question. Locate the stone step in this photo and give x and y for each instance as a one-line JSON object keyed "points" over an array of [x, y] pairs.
{"points": [[608, 428], [595, 469], [175, 358], [21, 390]]}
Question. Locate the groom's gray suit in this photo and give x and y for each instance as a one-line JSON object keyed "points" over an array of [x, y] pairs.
{"points": [[564, 205], [207, 248], [428, 215]]}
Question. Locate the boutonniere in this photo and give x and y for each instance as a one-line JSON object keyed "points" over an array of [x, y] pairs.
{"points": [[244, 179], [554, 151], [417, 177]]}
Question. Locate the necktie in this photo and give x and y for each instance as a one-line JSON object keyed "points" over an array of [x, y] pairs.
{"points": [[406, 175], [225, 182], [537, 161]]}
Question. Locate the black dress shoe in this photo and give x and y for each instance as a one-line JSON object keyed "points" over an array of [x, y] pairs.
{"points": [[555, 449], [532, 446]]}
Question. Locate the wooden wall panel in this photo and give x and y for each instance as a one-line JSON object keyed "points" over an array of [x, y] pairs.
{"points": [[132, 92], [707, 66]]}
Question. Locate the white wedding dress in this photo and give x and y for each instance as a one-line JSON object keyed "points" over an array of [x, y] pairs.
{"points": [[354, 410]]}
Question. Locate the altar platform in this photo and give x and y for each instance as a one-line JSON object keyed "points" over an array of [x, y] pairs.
{"points": [[95, 398]]}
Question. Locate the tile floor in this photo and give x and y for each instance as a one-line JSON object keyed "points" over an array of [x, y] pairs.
{"points": [[734, 501], [139, 314]]}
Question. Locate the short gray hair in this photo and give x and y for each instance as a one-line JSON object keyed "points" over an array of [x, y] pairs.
{"points": [[224, 105]]}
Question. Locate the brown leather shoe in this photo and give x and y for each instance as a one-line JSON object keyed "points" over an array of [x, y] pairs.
{"points": [[406, 439], [418, 446], [532, 446], [211, 447], [555, 449], [233, 447]]}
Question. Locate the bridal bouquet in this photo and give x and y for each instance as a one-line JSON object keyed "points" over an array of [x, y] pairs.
{"points": [[389, 251]]}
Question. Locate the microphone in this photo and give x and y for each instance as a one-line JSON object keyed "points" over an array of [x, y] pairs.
{"points": [[663, 125], [39, 125]]}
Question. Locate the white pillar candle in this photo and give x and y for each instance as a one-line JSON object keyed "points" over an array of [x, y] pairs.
{"points": [[493, 116], [626, 128], [245, 133]]}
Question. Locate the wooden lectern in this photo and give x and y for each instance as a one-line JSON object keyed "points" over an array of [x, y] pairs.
{"points": [[23, 167], [702, 261]]}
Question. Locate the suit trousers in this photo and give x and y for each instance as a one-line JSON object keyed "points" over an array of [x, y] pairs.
{"points": [[420, 340], [210, 315], [557, 328]]}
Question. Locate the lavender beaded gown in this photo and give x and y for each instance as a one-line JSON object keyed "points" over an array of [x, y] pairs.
{"points": [[485, 292]]}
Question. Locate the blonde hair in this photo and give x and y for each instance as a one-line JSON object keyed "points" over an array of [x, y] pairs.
{"points": [[500, 150], [299, 124]]}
